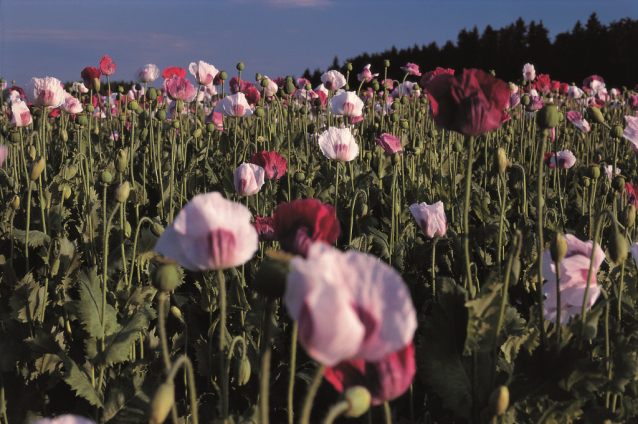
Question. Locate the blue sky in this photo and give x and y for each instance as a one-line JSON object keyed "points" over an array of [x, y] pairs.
{"points": [[274, 37]]}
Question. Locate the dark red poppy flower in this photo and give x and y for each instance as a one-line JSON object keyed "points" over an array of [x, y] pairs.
{"points": [[173, 71], [563, 88], [88, 74], [547, 159], [470, 103], [600, 103], [429, 76], [218, 79], [234, 85], [543, 83], [264, 228], [386, 379], [632, 194], [18, 89], [301, 222], [54, 113], [554, 86], [274, 164], [251, 93]]}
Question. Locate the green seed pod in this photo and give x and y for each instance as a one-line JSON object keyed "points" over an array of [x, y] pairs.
{"points": [[618, 183], [15, 203], [242, 371], [162, 403], [386, 63], [300, 176], [595, 114], [89, 108], [197, 133], [106, 177], [157, 229], [259, 112], [405, 100], [82, 120], [547, 117], [618, 248], [151, 94], [525, 100], [176, 124], [35, 168], [394, 117], [558, 248], [161, 115], [628, 216], [122, 118], [348, 66], [122, 192], [616, 131], [132, 105], [166, 278], [240, 66], [457, 147], [289, 86], [358, 398], [270, 279], [404, 124], [594, 171], [499, 401], [14, 137]]}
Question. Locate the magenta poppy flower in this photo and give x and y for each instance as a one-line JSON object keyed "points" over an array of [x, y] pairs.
{"points": [[574, 269], [346, 104], [349, 306], [429, 76], [386, 379], [631, 131], [46, 92], [338, 144], [390, 143], [431, 218], [505, 117], [72, 105], [470, 103], [301, 222], [107, 66], [235, 106], [563, 160], [210, 233], [543, 83], [147, 73], [20, 114], [411, 69], [173, 72], [203, 72], [273, 163], [65, 419], [333, 80], [179, 88], [633, 102], [252, 94], [248, 179], [4, 152], [301, 83], [366, 75], [264, 227], [88, 74], [216, 119], [529, 73], [271, 90], [634, 252], [577, 119], [234, 85]]}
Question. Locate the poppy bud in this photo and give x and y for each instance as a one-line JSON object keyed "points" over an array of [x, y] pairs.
{"points": [[594, 171], [628, 216], [96, 84], [501, 160], [240, 66], [346, 87], [499, 401], [595, 114], [162, 403], [300, 176], [89, 108], [121, 161], [270, 279], [157, 229], [166, 278], [64, 136], [176, 312], [616, 131], [457, 147], [348, 66], [15, 203], [127, 229], [547, 117], [558, 248], [259, 112], [66, 192], [363, 209], [161, 115], [386, 63], [242, 371], [32, 152], [516, 271], [35, 168], [55, 267], [106, 177], [122, 192], [618, 183], [358, 398], [618, 248]]}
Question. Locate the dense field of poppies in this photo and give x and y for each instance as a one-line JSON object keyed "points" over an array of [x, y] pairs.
{"points": [[446, 248]]}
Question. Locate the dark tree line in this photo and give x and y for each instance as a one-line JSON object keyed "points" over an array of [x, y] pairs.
{"points": [[606, 50]]}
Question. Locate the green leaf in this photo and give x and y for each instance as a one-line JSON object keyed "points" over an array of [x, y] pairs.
{"points": [[36, 238], [591, 321], [90, 306], [26, 299], [483, 317], [128, 396], [79, 381]]}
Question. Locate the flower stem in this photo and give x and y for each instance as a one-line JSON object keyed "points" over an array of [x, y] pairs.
{"points": [[310, 396], [264, 379], [539, 220], [222, 341], [293, 364], [466, 213], [336, 410], [434, 266]]}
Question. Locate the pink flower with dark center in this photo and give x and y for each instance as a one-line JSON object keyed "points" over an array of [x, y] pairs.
{"points": [[411, 69], [179, 88], [65, 419], [301, 83], [107, 66], [338, 144], [264, 227], [46, 92], [431, 218], [390, 143], [235, 106], [72, 105], [88, 74], [20, 114], [574, 269], [248, 179], [333, 80], [216, 119], [577, 119], [366, 75], [346, 104], [210, 233], [272, 162], [203, 72], [564, 159], [631, 131], [529, 73], [147, 73]]}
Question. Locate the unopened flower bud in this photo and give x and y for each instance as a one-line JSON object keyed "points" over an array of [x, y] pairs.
{"points": [[151, 94], [106, 177], [358, 398], [499, 401], [628, 215], [32, 152], [64, 136], [197, 133], [594, 171], [66, 192], [516, 271], [595, 114], [618, 248], [616, 131], [96, 84], [127, 229], [558, 248], [386, 63], [547, 117], [15, 203], [55, 267], [157, 229], [122, 192], [501, 160], [166, 278], [348, 66], [121, 161], [162, 403], [176, 312], [457, 147], [242, 371], [35, 168]]}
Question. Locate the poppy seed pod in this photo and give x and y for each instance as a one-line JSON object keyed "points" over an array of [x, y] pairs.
{"points": [[457, 147], [616, 131], [547, 117], [525, 100], [161, 115], [35, 168], [594, 171], [386, 63], [499, 401], [628, 216], [270, 279], [240, 66], [223, 76], [259, 112], [348, 66], [96, 84], [618, 248], [289, 86], [595, 114], [166, 278], [618, 183], [358, 398], [558, 248], [82, 119], [122, 192], [162, 403], [157, 229], [106, 177]]}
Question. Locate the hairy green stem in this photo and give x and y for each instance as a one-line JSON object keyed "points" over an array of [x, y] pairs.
{"points": [[310, 396]]}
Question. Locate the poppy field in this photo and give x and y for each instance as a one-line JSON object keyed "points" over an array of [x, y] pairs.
{"points": [[447, 248]]}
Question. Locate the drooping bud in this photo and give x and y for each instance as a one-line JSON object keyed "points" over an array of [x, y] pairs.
{"points": [[547, 117], [628, 216], [35, 168], [157, 229], [55, 267], [618, 248], [501, 160], [15, 203], [96, 84], [499, 401], [162, 403], [358, 398], [121, 162], [242, 370], [166, 278], [558, 248], [127, 229], [122, 192], [176, 312], [32, 152]]}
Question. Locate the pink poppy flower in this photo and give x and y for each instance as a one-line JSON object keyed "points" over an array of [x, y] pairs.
{"points": [[248, 179], [72, 105], [411, 69], [431, 218], [301, 83], [147, 73], [366, 75], [107, 66], [179, 88], [470, 103], [370, 316], [216, 119], [302, 95], [20, 114], [173, 71], [564, 159], [608, 171], [535, 103], [355, 120], [386, 379], [338, 144], [633, 102], [634, 252], [300, 223], [577, 119], [46, 92], [252, 95], [333, 80], [429, 76], [264, 227], [210, 233], [235, 106], [79, 87], [346, 104], [273, 163], [65, 419], [390, 143], [529, 73], [515, 100], [574, 269], [203, 72], [88, 74], [4, 152], [271, 90], [631, 131]]}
